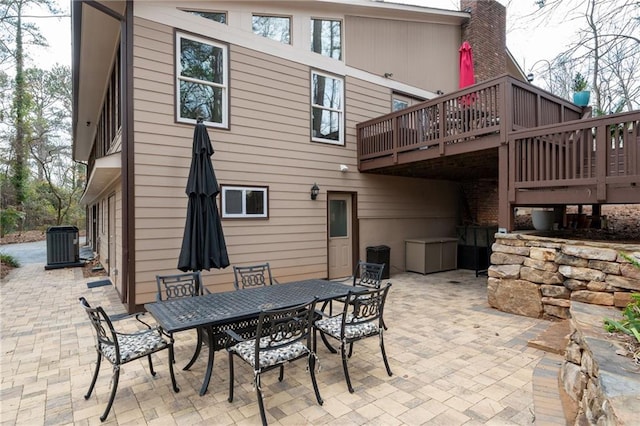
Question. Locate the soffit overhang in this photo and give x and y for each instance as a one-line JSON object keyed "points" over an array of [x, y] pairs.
{"points": [[106, 170], [95, 36]]}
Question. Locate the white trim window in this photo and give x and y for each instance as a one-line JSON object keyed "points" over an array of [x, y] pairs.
{"points": [[326, 37], [220, 17], [202, 76], [276, 28], [327, 108], [247, 202]]}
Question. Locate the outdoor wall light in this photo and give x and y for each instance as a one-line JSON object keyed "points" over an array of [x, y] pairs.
{"points": [[315, 190]]}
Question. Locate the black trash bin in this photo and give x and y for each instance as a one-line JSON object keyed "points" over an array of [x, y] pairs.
{"points": [[63, 248], [380, 254]]}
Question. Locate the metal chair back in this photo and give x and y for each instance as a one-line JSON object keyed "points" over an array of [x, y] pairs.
{"points": [[103, 328], [252, 276], [188, 284], [362, 308], [368, 274]]}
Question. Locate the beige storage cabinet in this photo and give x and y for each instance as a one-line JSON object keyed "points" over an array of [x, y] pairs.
{"points": [[427, 255]]}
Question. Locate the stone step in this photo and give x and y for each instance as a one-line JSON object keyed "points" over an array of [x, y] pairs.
{"points": [[553, 339]]}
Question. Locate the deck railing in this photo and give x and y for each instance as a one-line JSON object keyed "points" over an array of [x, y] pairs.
{"points": [[598, 151], [496, 106]]}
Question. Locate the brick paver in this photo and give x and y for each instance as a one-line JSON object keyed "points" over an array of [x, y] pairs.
{"points": [[455, 360]]}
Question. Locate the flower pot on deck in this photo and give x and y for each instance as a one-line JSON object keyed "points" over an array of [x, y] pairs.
{"points": [[542, 219], [581, 98]]}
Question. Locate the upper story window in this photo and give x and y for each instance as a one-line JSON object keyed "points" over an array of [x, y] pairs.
{"points": [[274, 27], [327, 108], [220, 17], [326, 37], [202, 80], [244, 201]]}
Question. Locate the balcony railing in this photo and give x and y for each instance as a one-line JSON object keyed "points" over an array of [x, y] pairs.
{"points": [[494, 107], [599, 153]]}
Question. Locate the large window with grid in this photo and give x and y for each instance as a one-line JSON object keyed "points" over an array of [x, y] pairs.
{"points": [[202, 80]]}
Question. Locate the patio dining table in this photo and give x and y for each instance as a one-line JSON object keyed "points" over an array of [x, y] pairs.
{"points": [[237, 310]]}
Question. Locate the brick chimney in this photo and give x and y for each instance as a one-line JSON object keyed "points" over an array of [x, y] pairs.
{"points": [[486, 32]]}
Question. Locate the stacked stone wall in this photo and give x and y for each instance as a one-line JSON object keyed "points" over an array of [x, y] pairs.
{"points": [[604, 385], [539, 277]]}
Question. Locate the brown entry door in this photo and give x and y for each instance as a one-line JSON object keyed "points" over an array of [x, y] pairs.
{"points": [[340, 235]]}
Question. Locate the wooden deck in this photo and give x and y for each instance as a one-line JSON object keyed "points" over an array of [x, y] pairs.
{"points": [[542, 149]]}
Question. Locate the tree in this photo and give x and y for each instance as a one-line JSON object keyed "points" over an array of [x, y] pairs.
{"points": [[49, 141], [15, 35], [607, 48]]}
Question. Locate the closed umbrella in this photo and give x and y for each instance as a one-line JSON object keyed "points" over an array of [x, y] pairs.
{"points": [[203, 245], [467, 77]]}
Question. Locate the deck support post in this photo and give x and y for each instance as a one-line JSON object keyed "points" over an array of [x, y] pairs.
{"points": [[505, 212]]}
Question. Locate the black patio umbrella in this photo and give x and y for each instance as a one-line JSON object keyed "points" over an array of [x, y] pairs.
{"points": [[203, 245]]}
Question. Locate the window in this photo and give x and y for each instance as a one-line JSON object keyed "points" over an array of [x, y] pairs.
{"points": [[399, 104], [399, 101], [220, 17], [244, 201], [276, 28], [326, 38], [338, 213], [327, 115], [202, 80]]}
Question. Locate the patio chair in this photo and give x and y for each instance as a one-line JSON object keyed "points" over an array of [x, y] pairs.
{"points": [[361, 318], [252, 276], [282, 335], [366, 274], [188, 284], [120, 348]]}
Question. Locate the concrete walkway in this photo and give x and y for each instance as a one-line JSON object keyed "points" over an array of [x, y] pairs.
{"points": [[455, 360]]}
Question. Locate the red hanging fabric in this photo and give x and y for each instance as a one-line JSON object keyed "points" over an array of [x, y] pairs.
{"points": [[467, 77]]}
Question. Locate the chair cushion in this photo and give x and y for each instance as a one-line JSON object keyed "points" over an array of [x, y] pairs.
{"points": [[268, 358], [134, 346], [331, 326]]}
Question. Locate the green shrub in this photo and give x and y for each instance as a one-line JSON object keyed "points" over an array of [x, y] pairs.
{"points": [[10, 219], [579, 83], [630, 322], [7, 259]]}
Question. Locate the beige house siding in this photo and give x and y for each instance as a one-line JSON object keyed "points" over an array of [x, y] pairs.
{"points": [[408, 50], [268, 144], [114, 189]]}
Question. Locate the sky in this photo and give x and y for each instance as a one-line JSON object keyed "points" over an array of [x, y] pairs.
{"points": [[529, 43]]}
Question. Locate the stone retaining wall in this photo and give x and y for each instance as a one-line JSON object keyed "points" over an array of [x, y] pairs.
{"points": [[604, 385], [539, 277]]}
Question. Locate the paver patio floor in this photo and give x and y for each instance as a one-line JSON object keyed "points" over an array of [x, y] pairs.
{"points": [[455, 360]]}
